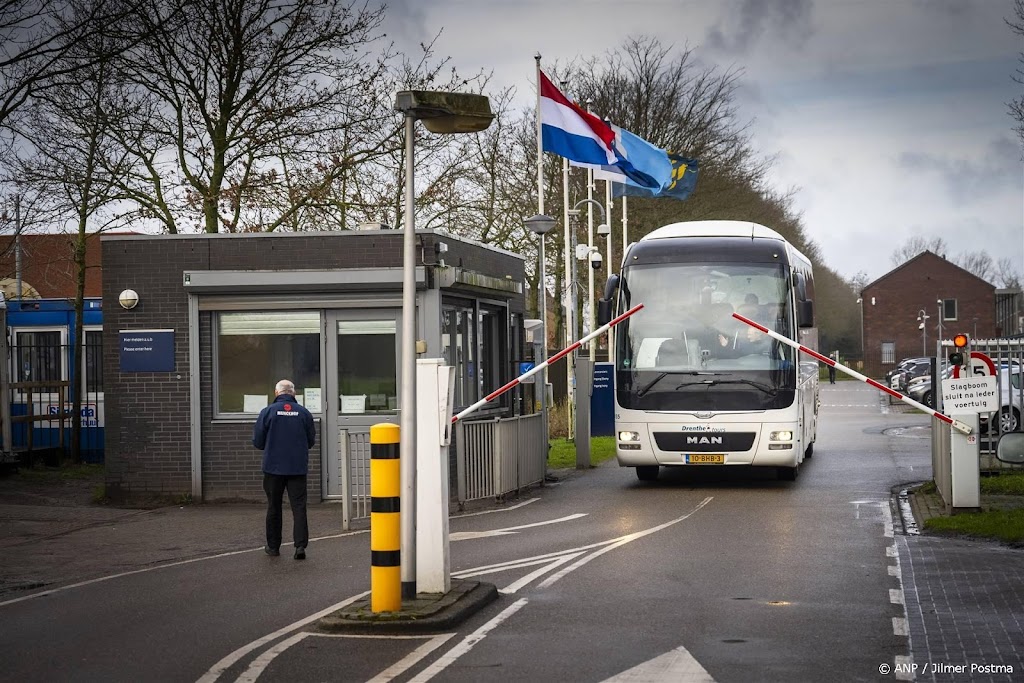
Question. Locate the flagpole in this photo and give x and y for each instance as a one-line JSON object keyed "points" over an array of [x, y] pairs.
{"points": [[540, 145], [608, 250], [570, 302], [541, 274], [592, 347]]}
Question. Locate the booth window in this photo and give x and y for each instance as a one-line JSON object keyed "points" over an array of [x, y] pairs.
{"points": [[367, 366], [38, 355], [255, 350], [458, 341]]}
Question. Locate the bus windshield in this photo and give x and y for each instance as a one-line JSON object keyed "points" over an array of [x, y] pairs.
{"points": [[685, 351]]}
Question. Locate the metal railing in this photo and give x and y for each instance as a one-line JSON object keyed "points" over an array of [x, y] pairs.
{"points": [[40, 401], [496, 457]]}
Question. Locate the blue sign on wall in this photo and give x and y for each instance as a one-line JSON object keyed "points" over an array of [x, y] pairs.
{"points": [[602, 401], [147, 350]]}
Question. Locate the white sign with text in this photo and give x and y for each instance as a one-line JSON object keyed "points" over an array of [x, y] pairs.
{"points": [[969, 395]]}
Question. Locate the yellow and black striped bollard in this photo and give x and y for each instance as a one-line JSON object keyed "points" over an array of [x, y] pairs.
{"points": [[385, 531]]}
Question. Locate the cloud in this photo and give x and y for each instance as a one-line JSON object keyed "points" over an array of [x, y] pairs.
{"points": [[784, 20], [964, 180]]}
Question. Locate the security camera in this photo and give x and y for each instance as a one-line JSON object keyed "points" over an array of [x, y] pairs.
{"points": [[595, 260]]}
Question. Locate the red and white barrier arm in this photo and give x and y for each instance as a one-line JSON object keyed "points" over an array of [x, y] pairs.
{"points": [[558, 356], [956, 424]]}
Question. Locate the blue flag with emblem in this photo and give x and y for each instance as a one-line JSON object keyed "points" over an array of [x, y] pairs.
{"points": [[658, 173]]}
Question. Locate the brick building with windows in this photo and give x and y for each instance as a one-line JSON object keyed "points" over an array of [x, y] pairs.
{"points": [[927, 290], [220, 318]]}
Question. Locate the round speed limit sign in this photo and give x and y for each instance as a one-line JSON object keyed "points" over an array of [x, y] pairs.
{"points": [[979, 365]]}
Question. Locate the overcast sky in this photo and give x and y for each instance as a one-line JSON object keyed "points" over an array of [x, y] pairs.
{"points": [[888, 116]]}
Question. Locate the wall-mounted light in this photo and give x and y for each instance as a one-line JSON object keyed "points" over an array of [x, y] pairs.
{"points": [[128, 299]]}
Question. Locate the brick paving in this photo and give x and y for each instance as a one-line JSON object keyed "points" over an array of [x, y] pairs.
{"points": [[965, 608]]}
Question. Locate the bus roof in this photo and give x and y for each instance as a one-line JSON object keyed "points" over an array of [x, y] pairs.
{"points": [[712, 229]]}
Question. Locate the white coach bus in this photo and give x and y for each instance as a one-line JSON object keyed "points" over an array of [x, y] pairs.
{"points": [[694, 385]]}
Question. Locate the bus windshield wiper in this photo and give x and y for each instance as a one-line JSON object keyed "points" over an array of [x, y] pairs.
{"points": [[771, 391], [661, 375]]}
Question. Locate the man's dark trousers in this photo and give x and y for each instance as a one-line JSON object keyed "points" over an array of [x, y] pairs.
{"points": [[274, 485]]}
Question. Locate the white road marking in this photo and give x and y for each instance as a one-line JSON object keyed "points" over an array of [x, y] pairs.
{"points": [[491, 512], [899, 626], [904, 672], [524, 581], [894, 570], [551, 560], [260, 664], [101, 579], [896, 596], [677, 665], [466, 535], [467, 643], [620, 542], [890, 551], [227, 662]]}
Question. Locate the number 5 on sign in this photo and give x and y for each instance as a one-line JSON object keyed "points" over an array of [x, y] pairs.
{"points": [[980, 364]]}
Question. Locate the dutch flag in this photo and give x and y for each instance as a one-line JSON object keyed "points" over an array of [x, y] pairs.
{"points": [[570, 132]]}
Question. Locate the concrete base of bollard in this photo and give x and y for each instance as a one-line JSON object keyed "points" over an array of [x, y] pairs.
{"points": [[425, 613]]}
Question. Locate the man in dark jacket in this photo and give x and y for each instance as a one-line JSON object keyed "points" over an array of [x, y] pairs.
{"points": [[284, 431]]}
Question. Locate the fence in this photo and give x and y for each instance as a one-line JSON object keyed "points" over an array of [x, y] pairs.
{"points": [[40, 400], [499, 456]]}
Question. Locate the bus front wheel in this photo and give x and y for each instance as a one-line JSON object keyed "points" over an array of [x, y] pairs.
{"points": [[647, 472]]}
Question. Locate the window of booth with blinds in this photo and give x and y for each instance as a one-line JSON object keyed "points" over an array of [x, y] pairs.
{"points": [[256, 349]]}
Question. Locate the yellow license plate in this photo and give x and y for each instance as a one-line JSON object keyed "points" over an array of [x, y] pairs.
{"points": [[704, 459]]}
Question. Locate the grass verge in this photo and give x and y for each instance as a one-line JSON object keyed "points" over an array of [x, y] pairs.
{"points": [[1001, 517], [563, 452], [1003, 525]]}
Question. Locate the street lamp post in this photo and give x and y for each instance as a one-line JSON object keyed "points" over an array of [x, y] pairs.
{"points": [[443, 113], [922, 318], [541, 225], [860, 302], [939, 302]]}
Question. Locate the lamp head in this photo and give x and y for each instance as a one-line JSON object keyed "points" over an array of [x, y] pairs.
{"points": [[128, 299], [539, 224]]}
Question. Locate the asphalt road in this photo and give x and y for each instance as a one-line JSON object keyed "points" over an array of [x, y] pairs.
{"points": [[707, 574]]}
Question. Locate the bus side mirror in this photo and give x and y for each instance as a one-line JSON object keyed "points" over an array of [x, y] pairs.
{"points": [[604, 305], [805, 313], [1010, 448]]}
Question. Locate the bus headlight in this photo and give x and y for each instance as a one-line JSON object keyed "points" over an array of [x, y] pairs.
{"points": [[784, 435], [629, 436]]}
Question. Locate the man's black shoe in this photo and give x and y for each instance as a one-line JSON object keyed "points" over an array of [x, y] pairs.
{"points": [[273, 552], [300, 553]]}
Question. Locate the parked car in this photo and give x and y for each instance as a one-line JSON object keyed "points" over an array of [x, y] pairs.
{"points": [[898, 370], [1011, 398], [920, 388]]}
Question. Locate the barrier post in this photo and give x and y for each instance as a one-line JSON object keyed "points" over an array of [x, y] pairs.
{"points": [[385, 528]]}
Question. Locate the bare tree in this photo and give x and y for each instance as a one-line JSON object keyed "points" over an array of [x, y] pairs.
{"points": [[35, 39], [978, 263], [68, 153], [916, 245], [232, 96], [1007, 274], [1017, 104]]}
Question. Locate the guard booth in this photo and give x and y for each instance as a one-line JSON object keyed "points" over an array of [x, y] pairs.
{"points": [[220, 319]]}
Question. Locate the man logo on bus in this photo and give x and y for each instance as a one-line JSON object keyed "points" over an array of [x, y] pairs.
{"points": [[704, 439]]}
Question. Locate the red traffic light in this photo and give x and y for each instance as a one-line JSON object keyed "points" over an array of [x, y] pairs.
{"points": [[961, 340]]}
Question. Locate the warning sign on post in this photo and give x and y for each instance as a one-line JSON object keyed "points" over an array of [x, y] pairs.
{"points": [[969, 395]]}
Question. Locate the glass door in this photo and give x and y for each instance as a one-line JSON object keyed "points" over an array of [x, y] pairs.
{"points": [[362, 389]]}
